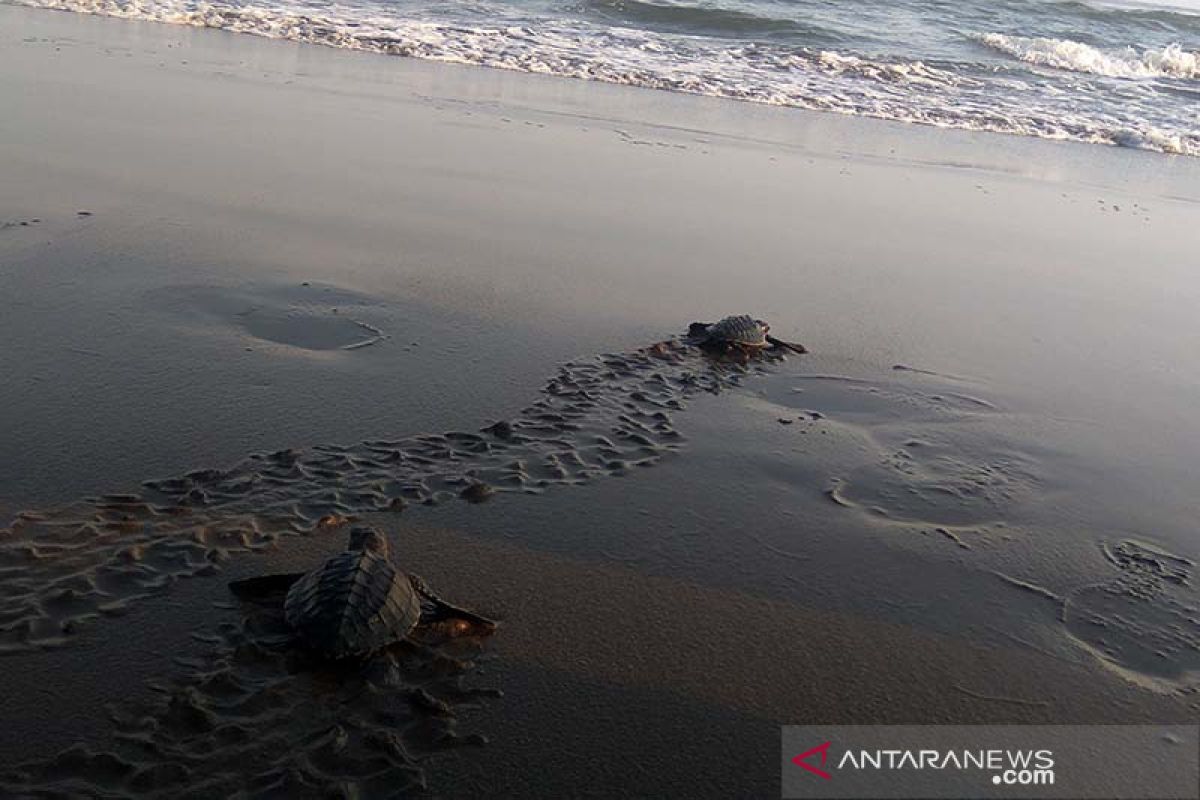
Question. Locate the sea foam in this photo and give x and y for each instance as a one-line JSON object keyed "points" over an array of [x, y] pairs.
{"points": [[776, 65], [1171, 61]]}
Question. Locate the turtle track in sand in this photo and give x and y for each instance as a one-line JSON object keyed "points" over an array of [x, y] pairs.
{"points": [[597, 417], [253, 717]]}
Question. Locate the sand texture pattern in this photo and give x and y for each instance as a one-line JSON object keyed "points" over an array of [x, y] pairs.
{"points": [[597, 417]]}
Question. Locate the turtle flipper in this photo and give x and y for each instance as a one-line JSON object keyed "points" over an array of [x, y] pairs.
{"points": [[264, 586], [447, 619], [794, 347]]}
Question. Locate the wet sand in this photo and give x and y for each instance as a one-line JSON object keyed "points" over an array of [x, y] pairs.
{"points": [[973, 503]]}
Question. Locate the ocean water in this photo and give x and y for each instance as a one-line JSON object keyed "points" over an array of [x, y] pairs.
{"points": [[1116, 73]]}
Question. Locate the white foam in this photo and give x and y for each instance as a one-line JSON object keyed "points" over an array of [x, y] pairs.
{"points": [[1152, 139], [1171, 61], [823, 80]]}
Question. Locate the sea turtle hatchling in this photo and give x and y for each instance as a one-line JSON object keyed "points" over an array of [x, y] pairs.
{"points": [[742, 334], [357, 602]]}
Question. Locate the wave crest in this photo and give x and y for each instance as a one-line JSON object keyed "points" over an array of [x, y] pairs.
{"points": [[1171, 61], [944, 94]]}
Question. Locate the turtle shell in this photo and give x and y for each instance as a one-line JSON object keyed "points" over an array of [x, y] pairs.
{"points": [[353, 604], [740, 330]]}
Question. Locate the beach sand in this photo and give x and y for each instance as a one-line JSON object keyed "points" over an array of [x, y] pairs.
{"points": [[973, 502]]}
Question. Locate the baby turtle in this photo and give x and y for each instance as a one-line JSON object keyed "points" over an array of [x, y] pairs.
{"points": [[358, 602], [742, 333]]}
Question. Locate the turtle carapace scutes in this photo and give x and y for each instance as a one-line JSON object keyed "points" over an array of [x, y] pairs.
{"points": [[358, 602], [741, 333]]}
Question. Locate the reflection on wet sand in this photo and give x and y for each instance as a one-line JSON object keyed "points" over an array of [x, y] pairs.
{"points": [[600, 416], [895, 455]]}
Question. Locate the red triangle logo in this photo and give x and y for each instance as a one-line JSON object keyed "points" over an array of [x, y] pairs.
{"points": [[823, 751]]}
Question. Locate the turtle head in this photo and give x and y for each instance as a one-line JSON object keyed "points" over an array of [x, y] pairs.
{"points": [[697, 329], [459, 624], [365, 537]]}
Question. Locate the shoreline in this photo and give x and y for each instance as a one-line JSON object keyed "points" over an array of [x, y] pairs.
{"points": [[878, 137], [995, 419], [357, 37]]}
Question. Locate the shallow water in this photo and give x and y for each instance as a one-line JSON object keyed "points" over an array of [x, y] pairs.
{"points": [[1087, 70]]}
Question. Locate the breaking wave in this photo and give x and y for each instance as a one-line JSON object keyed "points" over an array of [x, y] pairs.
{"points": [[1171, 61], [805, 55]]}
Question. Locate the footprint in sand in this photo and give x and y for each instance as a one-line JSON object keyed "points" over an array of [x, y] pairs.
{"points": [[1145, 624], [940, 466], [931, 455], [944, 482], [310, 317]]}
